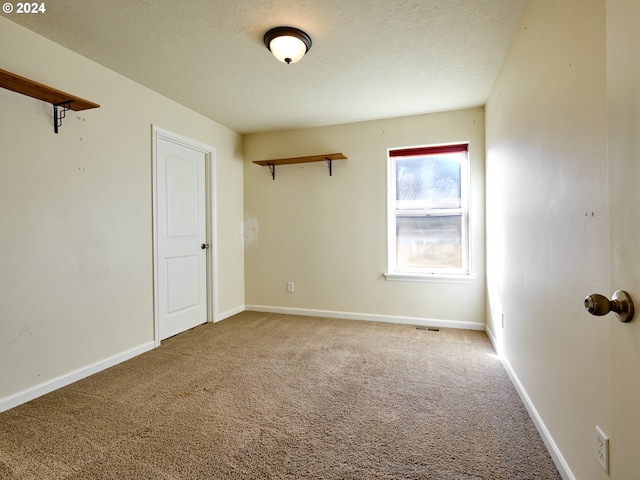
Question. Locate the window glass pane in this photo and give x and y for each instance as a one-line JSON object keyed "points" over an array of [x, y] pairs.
{"points": [[430, 181], [429, 242]]}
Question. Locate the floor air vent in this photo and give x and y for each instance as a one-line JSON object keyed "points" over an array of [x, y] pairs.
{"points": [[429, 329]]}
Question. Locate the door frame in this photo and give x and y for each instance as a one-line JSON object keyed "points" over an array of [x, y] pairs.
{"points": [[211, 214]]}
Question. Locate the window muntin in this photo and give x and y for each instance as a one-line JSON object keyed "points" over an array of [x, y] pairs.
{"points": [[428, 210]]}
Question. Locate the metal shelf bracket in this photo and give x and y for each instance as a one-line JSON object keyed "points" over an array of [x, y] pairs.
{"points": [[58, 116], [329, 163]]}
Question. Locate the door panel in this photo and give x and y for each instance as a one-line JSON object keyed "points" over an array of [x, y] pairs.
{"points": [[182, 203], [623, 78], [183, 277], [181, 230]]}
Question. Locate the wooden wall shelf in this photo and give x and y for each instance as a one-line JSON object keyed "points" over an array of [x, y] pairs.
{"points": [[57, 98], [328, 157]]}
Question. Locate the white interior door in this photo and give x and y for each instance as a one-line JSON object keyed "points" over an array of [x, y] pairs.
{"points": [[181, 237], [623, 78]]}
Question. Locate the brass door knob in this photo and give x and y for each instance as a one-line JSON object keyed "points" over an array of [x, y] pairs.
{"points": [[621, 304]]}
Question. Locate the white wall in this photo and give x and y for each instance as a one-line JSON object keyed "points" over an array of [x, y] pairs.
{"points": [[76, 280], [328, 235], [547, 221]]}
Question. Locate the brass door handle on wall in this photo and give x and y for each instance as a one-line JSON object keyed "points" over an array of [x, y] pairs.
{"points": [[620, 303]]}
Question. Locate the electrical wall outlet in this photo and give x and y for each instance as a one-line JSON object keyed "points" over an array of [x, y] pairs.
{"points": [[602, 449], [290, 287]]}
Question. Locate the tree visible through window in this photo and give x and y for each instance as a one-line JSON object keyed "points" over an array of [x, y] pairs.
{"points": [[428, 214]]}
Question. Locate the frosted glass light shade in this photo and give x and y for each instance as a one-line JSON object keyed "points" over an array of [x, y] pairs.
{"points": [[287, 44], [288, 49]]}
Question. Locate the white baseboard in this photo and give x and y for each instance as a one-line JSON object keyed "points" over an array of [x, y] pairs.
{"points": [[62, 381], [494, 341], [426, 322], [554, 451], [229, 313]]}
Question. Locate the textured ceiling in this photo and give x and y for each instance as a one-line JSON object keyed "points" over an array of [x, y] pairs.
{"points": [[370, 59]]}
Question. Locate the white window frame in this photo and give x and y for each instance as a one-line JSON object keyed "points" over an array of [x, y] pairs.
{"points": [[462, 274]]}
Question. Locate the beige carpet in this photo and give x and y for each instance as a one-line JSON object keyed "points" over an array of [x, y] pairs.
{"points": [[261, 396]]}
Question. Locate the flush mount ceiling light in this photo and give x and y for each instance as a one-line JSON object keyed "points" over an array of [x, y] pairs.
{"points": [[287, 44]]}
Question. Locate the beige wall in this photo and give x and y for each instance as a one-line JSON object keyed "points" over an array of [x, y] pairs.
{"points": [[76, 280], [328, 235], [547, 221]]}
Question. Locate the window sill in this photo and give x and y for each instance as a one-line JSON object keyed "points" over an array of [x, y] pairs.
{"points": [[429, 277]]}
